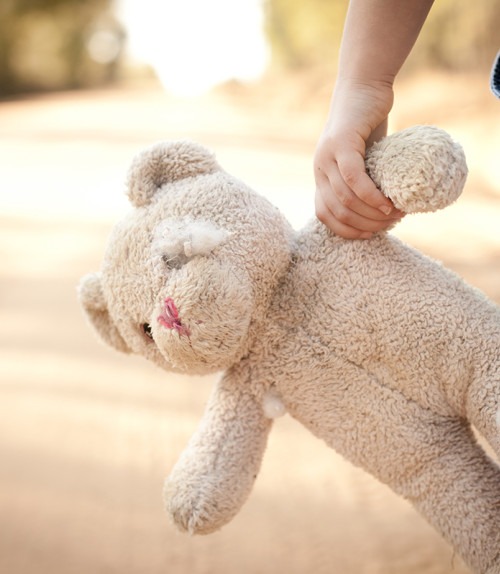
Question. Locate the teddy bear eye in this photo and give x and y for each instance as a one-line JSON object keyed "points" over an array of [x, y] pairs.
{"points": [[146, 329], [175, 261]]}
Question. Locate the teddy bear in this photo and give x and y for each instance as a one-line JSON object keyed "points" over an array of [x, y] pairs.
{"points": [[380, 351]]}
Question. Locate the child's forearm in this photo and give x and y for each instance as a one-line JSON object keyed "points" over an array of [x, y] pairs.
{"points": [[378, 36]]}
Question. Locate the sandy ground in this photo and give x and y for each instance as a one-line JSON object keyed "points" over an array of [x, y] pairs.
{"points": [[87, 435]]}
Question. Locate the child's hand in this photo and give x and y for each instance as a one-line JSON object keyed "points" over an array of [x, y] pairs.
{"points": [[347, 201]]}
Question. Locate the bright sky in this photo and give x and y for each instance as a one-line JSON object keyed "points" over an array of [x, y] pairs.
{"points": [[196, 44]]}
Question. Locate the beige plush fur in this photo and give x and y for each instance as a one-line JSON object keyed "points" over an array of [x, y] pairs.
{"points": [[375, 348]]}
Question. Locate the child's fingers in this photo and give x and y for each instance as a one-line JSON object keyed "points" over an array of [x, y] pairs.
{"points": [[344, 213], [353, 172]]}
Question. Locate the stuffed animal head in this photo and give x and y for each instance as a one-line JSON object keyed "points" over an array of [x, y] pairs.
{"points": [[187, 276]]}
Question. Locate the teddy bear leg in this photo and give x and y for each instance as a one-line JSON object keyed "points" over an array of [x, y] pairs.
{"points": [[432, 460], [457, 488], [482, 406], [495, 569]]}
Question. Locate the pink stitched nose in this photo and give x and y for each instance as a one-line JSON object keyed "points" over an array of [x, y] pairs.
{"points": [[170, 318]]}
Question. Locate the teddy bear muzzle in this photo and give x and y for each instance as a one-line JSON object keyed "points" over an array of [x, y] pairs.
{"points": [[202, 326]]}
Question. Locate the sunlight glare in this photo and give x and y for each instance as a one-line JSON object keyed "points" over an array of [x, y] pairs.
{"points": [[194, 45]]}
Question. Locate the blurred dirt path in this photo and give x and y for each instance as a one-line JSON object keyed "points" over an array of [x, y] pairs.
{"points": [[87, 435]]}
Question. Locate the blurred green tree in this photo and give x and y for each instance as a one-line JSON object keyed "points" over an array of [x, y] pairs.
{"points": [[459, 34], [44, 44]]}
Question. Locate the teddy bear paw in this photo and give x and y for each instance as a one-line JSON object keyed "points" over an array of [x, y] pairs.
{"points": [[420, 168]]}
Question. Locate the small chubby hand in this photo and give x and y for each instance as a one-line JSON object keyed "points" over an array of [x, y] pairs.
{"points": [[347, 201]]}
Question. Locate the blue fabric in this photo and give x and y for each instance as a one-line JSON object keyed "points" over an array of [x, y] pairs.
{"points": [[495, 77]]}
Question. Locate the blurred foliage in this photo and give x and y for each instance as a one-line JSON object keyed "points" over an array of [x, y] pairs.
{"points": [[44, 44], [304, 34], [458, 35]]}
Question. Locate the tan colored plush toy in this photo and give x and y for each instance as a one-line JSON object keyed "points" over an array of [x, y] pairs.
{"points": [[375, 348]]}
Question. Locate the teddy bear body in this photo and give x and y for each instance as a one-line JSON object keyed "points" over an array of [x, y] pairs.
{"points": [[376, 349], [390, 382]]}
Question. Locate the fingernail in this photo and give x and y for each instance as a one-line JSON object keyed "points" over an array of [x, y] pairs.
{"points": [[385, 209], [366, 235]]}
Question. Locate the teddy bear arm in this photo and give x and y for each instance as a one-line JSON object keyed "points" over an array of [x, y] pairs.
{"points": [[215, 473], [420, 168]]}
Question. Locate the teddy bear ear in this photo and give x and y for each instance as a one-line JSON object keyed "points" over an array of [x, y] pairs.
{"points": [[96, 311], [166, 162]]}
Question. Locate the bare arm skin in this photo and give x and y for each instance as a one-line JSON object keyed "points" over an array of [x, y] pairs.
{"points": [[378, 36]]}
